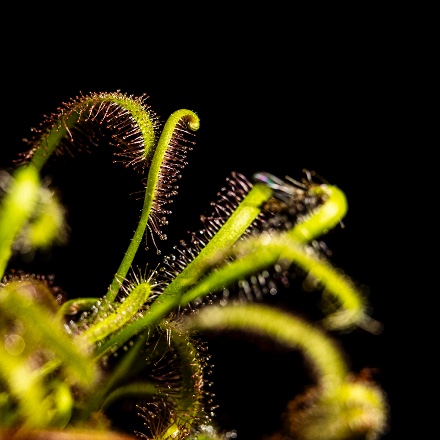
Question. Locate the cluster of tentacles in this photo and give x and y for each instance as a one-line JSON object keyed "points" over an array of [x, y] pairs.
{"points": [[65, 361]]}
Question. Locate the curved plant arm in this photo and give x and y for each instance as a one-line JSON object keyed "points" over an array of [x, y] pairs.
{"points": [[323, 218], [342, 407], [152, 192], [262, 252], [110, 108], [329, 365], [353, 305]]}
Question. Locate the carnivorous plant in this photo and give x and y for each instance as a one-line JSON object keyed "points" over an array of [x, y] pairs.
{"points": [[64, 361]]}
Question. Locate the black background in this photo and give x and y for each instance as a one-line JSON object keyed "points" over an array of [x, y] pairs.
{"points": [[324, 98]]}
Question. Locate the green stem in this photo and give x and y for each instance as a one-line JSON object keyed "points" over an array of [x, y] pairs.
{"points": [[188, 406], [113, 321], [150, 194], [221, 243], [260, 258]]}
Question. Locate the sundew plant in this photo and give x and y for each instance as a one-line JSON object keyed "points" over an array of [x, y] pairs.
{"points": [[65, 361]]}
